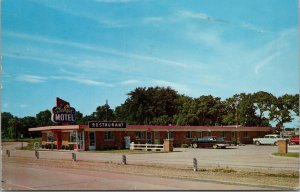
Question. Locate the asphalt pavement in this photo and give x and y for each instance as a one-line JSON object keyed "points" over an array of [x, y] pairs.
{"points": [[243, 157], [30, 177]]}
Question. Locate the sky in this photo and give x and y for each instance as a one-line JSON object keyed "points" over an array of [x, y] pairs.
{"points": [[88, 51]]}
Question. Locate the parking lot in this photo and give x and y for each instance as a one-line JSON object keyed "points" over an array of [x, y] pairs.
{"points": [[241, 157]]}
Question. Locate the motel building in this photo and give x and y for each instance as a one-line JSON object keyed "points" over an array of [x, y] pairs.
{"points": [[98, 135], [83, 137]]}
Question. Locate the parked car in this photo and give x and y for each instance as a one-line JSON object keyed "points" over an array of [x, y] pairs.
{"points": [[214, 142], [294, 140], [271, 139], [287, 137]]}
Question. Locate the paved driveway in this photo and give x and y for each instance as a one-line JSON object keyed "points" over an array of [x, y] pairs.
{"points": [[245, 157]]}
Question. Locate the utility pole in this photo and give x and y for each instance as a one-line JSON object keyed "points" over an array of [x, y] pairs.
{"points": [[106, 106], [236, 121]]}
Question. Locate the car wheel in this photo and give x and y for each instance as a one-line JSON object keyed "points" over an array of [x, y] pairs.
{"points": [[215, 146], [195, 145], [275, 143], [257, 143]]}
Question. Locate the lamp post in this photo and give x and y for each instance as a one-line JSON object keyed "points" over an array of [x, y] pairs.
{"points": [[236, 121]]}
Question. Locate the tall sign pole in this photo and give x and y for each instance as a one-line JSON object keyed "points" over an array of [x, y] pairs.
{"points": [[106, 106]]}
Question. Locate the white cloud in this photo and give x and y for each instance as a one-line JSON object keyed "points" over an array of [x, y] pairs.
{"points": [[199, 16], [153, 20], [95, 49], [31, 78], [253, 27], [23, 106], [176, 86], [113, 1], [264, 62], [96, 17], [130, 81], [83, 81]]}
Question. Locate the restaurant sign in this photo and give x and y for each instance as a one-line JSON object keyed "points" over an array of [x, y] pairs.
{"points": [[63, 113], [107, 124]]}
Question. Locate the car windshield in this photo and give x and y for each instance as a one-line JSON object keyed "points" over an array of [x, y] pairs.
{"points": [[208, 138]]}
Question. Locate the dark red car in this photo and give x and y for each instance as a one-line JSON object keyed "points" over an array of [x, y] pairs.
{"points": [[294, 140]]}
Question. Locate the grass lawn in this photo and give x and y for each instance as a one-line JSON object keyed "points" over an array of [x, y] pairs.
{"points": [[287, 154]]}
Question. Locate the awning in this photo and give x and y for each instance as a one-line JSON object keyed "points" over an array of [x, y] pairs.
{"points": [[61, 127]]}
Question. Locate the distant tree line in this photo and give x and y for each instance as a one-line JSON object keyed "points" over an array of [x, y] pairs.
{"points": [[164, 106]]}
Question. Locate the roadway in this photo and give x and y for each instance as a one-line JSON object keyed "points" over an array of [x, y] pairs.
{"points": [[19, 176]]}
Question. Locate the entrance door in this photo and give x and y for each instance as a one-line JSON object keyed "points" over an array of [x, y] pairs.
{"points": [[149, 137], [80, 140], [156, 138], [92, 139], [127, 142]]}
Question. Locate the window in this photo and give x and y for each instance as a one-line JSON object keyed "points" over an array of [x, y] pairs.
{"points": [[189, 135], [232, 134], [223, 133], [209, 133], [50, 136], [108, 135], [140, 135], [246, 134], [72, 138], [169, 135], [200, 134]]}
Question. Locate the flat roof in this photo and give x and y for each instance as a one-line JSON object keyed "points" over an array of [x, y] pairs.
{"points": [[153, 128], [58, 127]]}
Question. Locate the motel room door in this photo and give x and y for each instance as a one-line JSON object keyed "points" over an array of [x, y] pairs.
{"points": [[92, 141], [149, 137], [156, 137]]}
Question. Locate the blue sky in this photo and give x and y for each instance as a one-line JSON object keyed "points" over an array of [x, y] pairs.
{"points": [[88, 51]]}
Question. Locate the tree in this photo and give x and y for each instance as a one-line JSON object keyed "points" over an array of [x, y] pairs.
{"points": [[24, 124], [5, 117], [104, 113], [263, 103], [240, 110], [149, 106], [13, 124], [282, 109], [205, 110], [43, 118], [79, 118]]}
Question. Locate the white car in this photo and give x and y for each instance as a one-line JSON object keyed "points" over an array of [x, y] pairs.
{"points": [[267, 139]]}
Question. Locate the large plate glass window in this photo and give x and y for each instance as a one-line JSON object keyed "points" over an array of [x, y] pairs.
{"points": [[140, 135], [108, 135], [50, 137]]}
